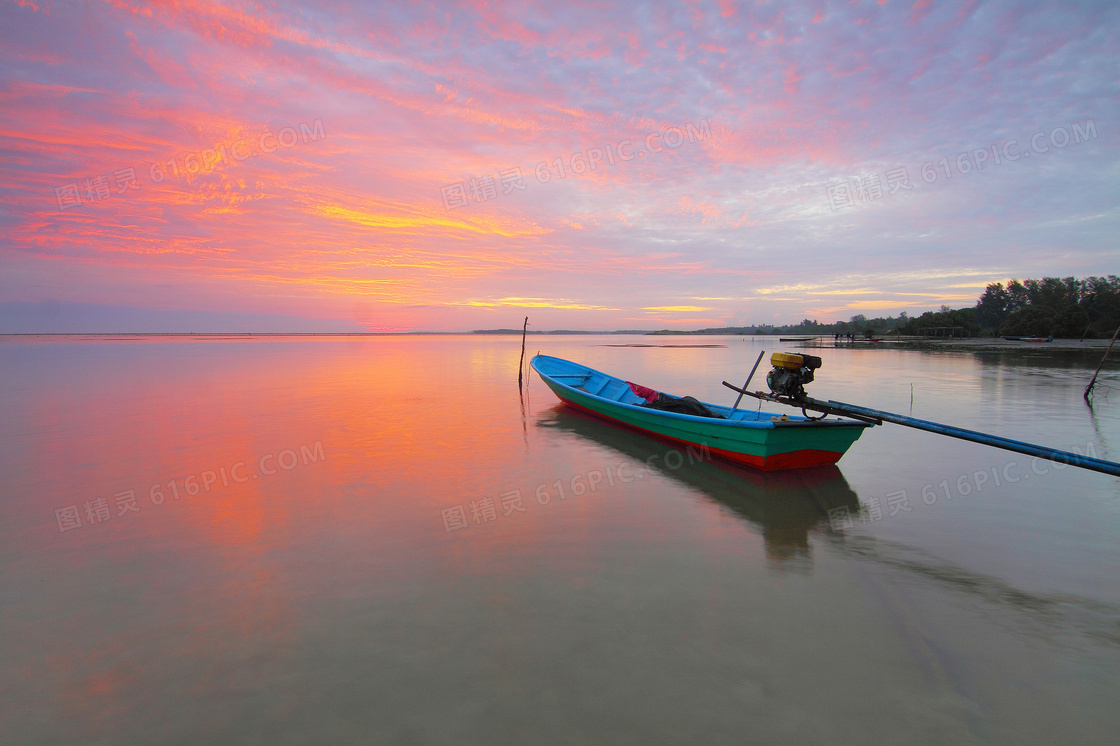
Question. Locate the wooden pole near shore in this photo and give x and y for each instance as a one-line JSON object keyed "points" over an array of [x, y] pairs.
{"points": [[521, 363], [1089, 388]]}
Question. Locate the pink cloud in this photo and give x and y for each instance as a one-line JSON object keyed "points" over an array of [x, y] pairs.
{"points": [[919, 11], [414, 99]]}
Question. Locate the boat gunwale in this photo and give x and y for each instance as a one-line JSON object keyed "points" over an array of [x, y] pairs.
{"points": [[799, 422]]}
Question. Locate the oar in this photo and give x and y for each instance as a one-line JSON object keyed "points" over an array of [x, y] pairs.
{"points": [[748, 381]]}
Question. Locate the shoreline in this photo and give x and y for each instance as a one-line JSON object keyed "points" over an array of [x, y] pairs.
{"points": [[963, 344]]}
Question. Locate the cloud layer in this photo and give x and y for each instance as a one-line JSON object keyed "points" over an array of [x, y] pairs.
{"points": [[454, 165]]}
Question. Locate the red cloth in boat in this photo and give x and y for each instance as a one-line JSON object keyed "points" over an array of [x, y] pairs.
{"points": [[646, 393]]}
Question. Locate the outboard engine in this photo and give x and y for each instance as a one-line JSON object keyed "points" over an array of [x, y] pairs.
{"points": [[790, 374]]}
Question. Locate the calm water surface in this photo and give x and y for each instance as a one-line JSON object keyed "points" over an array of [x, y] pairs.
{"points": [[375, 540]]}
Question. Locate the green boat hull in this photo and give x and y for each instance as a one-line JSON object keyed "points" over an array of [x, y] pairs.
{"points": [[760, 440]]}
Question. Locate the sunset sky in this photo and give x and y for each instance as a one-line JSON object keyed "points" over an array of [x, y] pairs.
{"points": [[334, 166]]}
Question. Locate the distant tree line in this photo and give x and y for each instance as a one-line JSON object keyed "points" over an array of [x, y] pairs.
{"points": [[947, 322], [858, 325], [1060, 307]]}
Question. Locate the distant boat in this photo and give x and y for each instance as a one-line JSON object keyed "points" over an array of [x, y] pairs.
{"points": [[1029, 339], [796, 339], [762, 440]]}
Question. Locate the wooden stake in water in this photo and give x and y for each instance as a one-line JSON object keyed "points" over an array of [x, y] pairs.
{"points": [[1089, 388], [756, 362], [521, 363]]}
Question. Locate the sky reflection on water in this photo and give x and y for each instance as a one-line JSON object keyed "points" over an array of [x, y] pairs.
{"points": [[327, 600]]}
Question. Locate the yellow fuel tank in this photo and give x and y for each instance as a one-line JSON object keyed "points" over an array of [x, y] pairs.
{"points": [[786, 360]]}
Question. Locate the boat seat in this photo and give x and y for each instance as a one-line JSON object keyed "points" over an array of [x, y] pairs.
{"points": [[599, 391], [614, 389]]}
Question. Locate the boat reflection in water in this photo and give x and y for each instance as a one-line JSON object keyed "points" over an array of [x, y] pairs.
{"points": [[784, 505]]}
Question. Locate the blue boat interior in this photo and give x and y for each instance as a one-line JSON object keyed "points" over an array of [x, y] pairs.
{"points": [[609, 387]]}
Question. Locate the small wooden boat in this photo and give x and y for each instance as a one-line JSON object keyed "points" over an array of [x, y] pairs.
{"points": [[1029, 339], [762, 440]]}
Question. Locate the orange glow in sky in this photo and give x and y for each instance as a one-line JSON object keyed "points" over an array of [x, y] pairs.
{"points": [[231, 166]]}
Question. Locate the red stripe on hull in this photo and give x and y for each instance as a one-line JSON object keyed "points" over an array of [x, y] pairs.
{"points": [[803, 459]]}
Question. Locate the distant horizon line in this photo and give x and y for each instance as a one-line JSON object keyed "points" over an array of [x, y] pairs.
{"points": [[634, 332]]}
